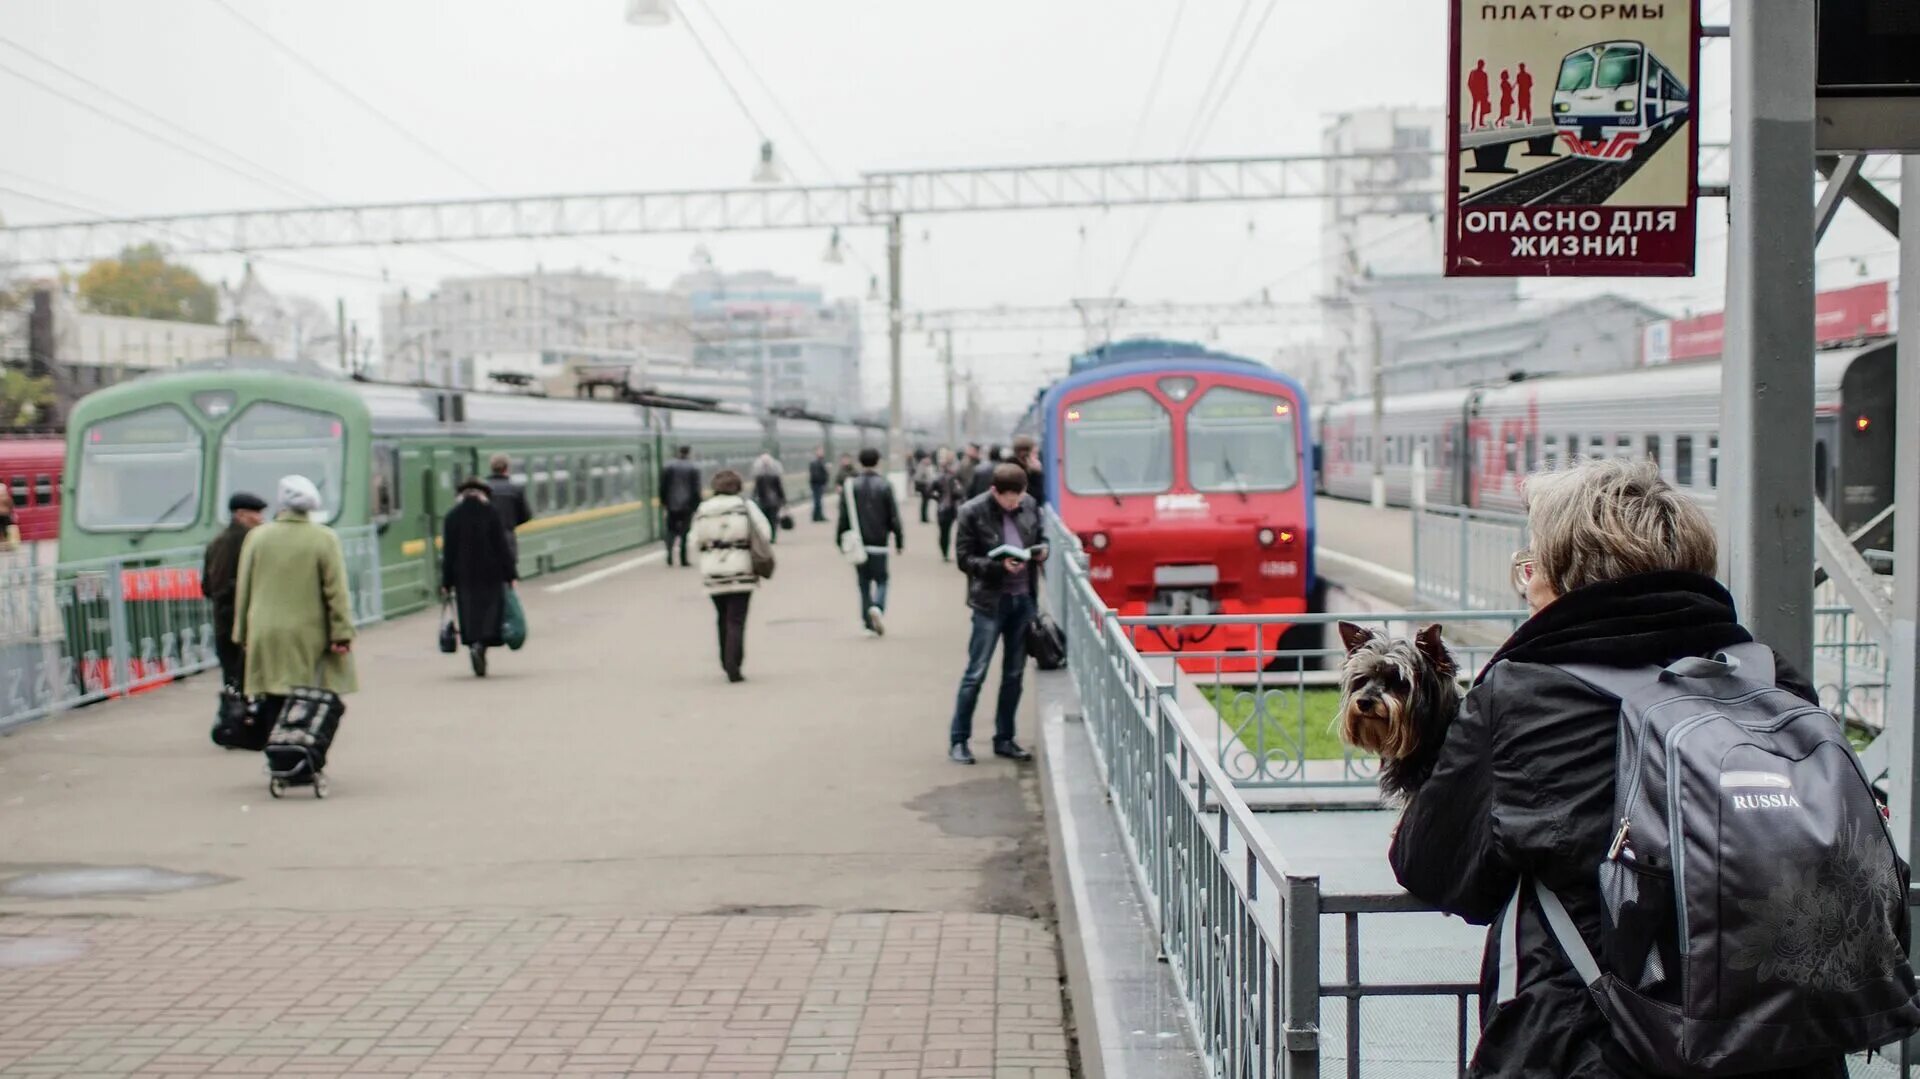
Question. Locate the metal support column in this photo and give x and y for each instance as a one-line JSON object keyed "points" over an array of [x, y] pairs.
{"points": [[1378, 447], [1903, 713], [1766, 439], [896, 456], [953, 432]]}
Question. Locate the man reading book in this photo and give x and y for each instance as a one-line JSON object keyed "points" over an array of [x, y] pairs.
{"points": [[997, 545]]}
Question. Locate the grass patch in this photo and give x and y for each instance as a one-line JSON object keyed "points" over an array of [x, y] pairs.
{"points": [[1289, 713]]}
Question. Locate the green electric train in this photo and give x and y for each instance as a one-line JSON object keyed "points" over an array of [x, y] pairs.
{"points": [[151, 463]]}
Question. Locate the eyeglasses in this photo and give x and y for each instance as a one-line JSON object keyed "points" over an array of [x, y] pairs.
{"points": [[1522, 573]]}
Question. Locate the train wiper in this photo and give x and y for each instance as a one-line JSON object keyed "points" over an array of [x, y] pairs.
{"points": [[160, 520], [1239, 485], [1104, 482]]}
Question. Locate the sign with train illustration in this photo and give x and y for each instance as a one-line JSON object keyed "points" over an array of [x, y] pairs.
{"points": [[1573, 140]]}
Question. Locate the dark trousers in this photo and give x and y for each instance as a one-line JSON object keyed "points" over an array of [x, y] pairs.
{"points": [[819, 504], [873, 583], [1007, 626], [233, 658], [730, 616], [679, 523], [926, 499], [946, 518]]}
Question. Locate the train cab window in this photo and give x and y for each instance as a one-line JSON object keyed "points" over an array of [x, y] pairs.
{"points": [[140, 472], [1653, 450], [1683, 460], [19, 490], [1117, 444], [385, 485], [1239, 440], [1713, 461], [268, 440]]}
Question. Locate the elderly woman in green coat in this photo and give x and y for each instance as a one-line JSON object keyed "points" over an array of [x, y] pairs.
{"points": [[291, 606]]}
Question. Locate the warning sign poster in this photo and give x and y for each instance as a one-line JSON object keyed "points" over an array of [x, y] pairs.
{"points": [[1573, 139]]}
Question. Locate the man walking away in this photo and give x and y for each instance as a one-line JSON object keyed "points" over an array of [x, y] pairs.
{"points": [[679, 497], [980, 481], [1026, 454], [925, 472], [817, 479], [876, 514], [1000, 594], [220, 577], [723, 529], [509, 500], [770, 491], [477, 567], [949, 490]]}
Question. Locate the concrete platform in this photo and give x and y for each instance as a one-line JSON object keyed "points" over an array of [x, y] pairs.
{"points": [[603, 858]]}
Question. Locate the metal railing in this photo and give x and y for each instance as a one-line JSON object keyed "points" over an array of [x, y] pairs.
{"points": [[1463, 558], [1240, 928], [72, 633]]}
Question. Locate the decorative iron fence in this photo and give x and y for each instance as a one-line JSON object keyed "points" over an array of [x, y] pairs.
{"points": [[72, 633]]}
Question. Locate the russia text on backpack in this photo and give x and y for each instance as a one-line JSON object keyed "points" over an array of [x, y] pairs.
{"points": [[1755, 909]]}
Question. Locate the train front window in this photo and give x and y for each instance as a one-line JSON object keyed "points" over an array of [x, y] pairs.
{"points": [[140, 472], [268, 441], [1238, 440], [1576, 72], [1618, 67], [1119, 444]]}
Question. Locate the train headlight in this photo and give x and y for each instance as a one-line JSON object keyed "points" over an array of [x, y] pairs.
{"points": [[1267, 537], [1098, 541], [1562, 106], [1625, 105]]}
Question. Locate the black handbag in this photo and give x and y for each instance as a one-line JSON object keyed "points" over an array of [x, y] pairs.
{"points": [[236, 723], [449, 636], [1047, 644], [786, 521]]}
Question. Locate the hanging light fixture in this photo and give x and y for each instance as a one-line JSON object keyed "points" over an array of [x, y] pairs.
{"points": [[833, 254], [768, 170], [649, 12]]}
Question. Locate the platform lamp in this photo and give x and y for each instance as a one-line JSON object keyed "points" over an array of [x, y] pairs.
{"points": [[649, 12], [833, 254], [768, 170]]}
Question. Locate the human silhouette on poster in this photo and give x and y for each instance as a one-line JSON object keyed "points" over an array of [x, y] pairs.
{"points": [[1506, 98], [1523, 85], [1477, 89]]}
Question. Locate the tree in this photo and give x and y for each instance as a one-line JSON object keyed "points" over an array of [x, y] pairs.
{"points": [[24, 400], [141, 283]]}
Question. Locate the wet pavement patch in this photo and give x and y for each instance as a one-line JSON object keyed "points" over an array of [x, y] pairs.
{"points": [[18, 952], [82, 882]]}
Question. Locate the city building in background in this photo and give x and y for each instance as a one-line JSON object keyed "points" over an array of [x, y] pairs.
{"points": [[1525, 337], [798, 348]]}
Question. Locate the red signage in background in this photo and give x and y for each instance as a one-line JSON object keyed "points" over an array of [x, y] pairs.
{"points": [[1572, 142], [1839, 316]]}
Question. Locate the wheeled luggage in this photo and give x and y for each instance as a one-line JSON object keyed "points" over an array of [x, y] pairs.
{"points": [[303, 732]]}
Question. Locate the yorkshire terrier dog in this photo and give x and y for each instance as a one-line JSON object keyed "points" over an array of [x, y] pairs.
{"points": [[1397, 698]]}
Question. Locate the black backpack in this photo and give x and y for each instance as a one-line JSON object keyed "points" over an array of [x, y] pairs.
{"points": [[1755, 909], [1046, 644]]}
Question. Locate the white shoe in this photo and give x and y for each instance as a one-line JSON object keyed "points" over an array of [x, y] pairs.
{"points": [[874, 623]]}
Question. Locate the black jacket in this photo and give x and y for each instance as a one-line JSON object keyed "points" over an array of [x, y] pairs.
{"points": [[679, 486], [474, 547], [1524, 783], [220, 575], [817, 472], [981, 479], [949, 490], [770, 494], [509, 502], [876, 510], [976, 531]]}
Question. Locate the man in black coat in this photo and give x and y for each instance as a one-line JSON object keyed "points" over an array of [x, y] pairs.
{"points": [[509, 499], [679, 497], [876, 515], [982, 479], [1000, 593], [220, 576], [817, 479], [477, 567]]}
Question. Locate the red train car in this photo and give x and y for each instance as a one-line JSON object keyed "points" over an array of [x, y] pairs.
{"points": [[31, 469], [1187, 476]]}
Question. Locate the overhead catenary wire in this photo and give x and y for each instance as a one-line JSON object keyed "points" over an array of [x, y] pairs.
{"points": [[1159, 75], [774, 98]]}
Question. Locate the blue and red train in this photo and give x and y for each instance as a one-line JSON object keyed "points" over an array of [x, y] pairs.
{"points": [[1187, 475]]}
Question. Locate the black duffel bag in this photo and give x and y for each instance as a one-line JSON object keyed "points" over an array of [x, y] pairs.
{"points": [[1046, 643], [237, 724]]}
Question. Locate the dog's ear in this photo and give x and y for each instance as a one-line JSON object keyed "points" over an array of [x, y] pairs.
{"points": [[1355, 637], [1428, 642]]}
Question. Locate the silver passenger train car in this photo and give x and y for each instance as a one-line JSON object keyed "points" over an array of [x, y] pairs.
{"points": [[1475, 445]]}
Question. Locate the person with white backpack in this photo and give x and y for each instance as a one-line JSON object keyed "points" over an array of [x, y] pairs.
{"points": [[1682, 865], [735, 542]]}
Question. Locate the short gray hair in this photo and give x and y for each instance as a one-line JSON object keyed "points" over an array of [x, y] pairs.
{"points": [[1601, 519]]}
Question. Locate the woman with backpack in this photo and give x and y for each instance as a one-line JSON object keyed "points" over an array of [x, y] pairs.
{"points": [[1517, 825], [724, 528]]}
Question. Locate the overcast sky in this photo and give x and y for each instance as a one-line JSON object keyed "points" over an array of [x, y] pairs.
{"points": [[516, 97]]}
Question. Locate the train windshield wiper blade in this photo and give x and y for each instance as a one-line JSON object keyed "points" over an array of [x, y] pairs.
{"points": [[162, 519], [1233, 476], [1104, 482]]}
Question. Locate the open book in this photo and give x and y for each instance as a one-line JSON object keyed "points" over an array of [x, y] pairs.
{"points": [[1024, 554]]}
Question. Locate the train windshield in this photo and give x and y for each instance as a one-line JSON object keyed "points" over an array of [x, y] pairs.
{"points": [[268, 441], [139, 472], [1238, 440], [1576, 72], [1119, 444], [1619, 66]]}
